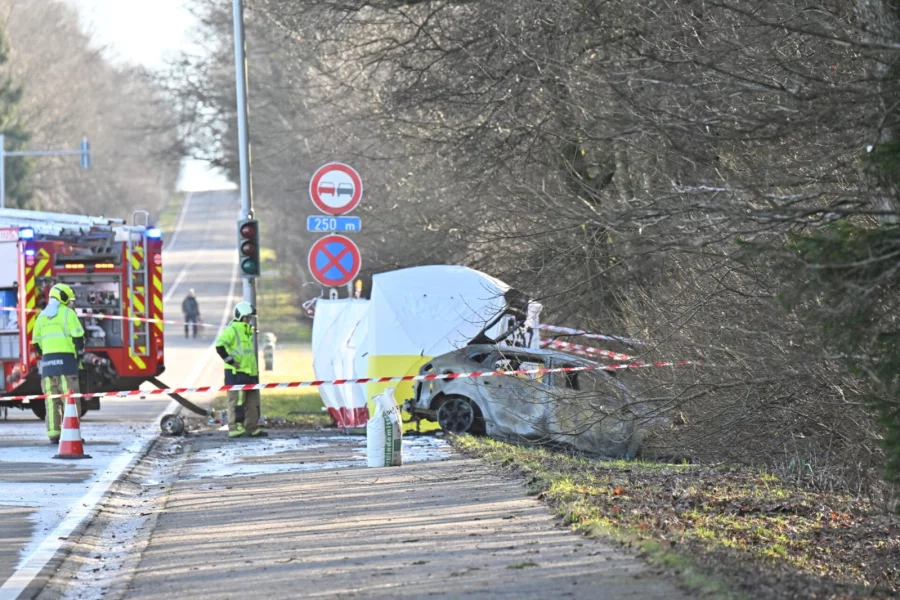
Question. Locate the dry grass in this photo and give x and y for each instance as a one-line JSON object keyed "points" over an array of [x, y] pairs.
{"points": [[755, 533]]}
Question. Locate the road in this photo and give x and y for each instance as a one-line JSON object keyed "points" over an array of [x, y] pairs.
{"points": [[41, 498], [296, 514]]}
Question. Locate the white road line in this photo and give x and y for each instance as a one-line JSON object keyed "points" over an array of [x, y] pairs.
{"points": [[177, 282], [180, 222], [32, 566]]}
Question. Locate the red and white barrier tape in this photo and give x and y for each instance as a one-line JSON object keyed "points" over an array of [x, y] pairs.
{"points": [[101, 317], [301, 384], [585, 350], [594, 336]]}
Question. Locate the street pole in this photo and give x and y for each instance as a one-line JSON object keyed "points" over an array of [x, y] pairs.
{"points": [[243, 121], [84, 151]]}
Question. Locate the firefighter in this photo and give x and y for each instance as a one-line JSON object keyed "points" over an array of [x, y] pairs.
{"points": [[58, 342], [191, 310], [235, 346]]}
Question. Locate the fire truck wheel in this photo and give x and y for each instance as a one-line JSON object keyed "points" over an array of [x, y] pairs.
{"points": [[40, 410], [172, 425]]}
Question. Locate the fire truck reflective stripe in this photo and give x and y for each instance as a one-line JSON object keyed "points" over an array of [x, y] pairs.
{"points": [[138, 303], [43, 263], [157, 303], [29, 300], [137, 361]]}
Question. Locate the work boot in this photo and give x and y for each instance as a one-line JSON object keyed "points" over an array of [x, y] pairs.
{"points": [[259, 433], [54, 440], [237, 432]]}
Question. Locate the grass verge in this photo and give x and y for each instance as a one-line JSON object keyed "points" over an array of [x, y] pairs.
{"points": [[280, 311], [725, 532]]}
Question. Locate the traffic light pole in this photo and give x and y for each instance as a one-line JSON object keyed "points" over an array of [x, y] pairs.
{"points": [[243, 119]]}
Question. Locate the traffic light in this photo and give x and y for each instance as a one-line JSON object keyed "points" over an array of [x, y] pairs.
{"points": [[248, 248]]}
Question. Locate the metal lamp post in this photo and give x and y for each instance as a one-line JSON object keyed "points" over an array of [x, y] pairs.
{"points": [[243, 119]]}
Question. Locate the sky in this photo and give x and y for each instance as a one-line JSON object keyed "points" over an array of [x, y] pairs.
{"points": [[147, 32]]}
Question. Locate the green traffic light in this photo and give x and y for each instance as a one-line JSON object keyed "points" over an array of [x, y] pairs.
{"points": [[249, 266]]}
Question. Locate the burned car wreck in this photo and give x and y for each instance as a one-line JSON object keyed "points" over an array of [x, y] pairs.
{"points": [[591, 410]]}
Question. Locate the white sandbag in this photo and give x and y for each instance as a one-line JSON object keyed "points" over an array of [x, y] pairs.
{"points": [[384, 432]]}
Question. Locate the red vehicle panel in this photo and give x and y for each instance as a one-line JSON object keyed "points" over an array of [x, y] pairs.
{"points": [[116, 273]]}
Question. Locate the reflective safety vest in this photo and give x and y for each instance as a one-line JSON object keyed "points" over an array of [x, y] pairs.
{"points": [[237, 339], [54, 335]]}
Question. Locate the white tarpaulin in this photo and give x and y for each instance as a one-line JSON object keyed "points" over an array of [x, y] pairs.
{"points": [[342, 330], [333, 326], [414, 315], [431, 310]]}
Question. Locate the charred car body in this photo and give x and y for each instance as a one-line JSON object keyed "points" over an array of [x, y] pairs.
{"points": [[591, 410]]}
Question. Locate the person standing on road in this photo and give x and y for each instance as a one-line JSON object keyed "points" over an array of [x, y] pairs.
{"points": [[191, 310], [58, 342], [235, 346]]}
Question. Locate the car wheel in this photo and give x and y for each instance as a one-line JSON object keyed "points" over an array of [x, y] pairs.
{"points": [[456, 415]]}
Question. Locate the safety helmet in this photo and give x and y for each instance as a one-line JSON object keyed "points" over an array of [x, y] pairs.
{"points": [[62, 292], [243, 309]]}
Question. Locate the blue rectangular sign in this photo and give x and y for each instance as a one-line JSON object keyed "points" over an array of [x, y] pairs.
{"points": [[340, 224]]}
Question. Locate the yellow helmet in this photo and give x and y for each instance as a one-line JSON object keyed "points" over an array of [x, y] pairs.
{"points": [[62, 292]]}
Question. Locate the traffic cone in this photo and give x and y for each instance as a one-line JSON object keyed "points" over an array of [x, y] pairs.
{"points": [[70, 444]]}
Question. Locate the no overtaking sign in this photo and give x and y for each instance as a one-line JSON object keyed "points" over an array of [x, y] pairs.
{"points": [[336, 189]]}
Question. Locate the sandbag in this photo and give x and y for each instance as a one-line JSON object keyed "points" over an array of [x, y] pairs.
{"points": [[384, 432]]}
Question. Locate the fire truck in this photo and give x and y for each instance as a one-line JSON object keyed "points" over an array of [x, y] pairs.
{"points": [[115, 270]]}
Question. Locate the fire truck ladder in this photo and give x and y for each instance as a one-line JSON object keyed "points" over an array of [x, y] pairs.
{"points": [[138, 284]]}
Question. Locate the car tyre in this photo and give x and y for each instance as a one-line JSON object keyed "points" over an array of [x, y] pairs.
{"points": [[458, 415]]}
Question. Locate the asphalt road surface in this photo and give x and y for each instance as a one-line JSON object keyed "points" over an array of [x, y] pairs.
{"points": [[40, 499]]}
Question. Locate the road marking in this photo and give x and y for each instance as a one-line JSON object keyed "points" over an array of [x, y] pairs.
{"points": [[177, 282], [29, 568], [180, 222]]}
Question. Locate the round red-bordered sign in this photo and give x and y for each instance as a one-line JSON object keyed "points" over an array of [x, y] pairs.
{"points": [[336, 189], [334, 260]]}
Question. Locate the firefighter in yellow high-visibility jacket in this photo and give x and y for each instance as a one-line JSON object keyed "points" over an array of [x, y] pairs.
{"points": [[58, 341], [235, 346]]}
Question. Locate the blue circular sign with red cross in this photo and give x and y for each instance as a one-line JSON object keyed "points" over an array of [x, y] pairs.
{"points": [[334, 260]]}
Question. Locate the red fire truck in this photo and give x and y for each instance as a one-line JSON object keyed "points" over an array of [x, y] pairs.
{"points": [[115, 270]]}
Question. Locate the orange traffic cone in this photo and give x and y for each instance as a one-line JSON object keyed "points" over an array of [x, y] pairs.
{"points": [[70, 444]]}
